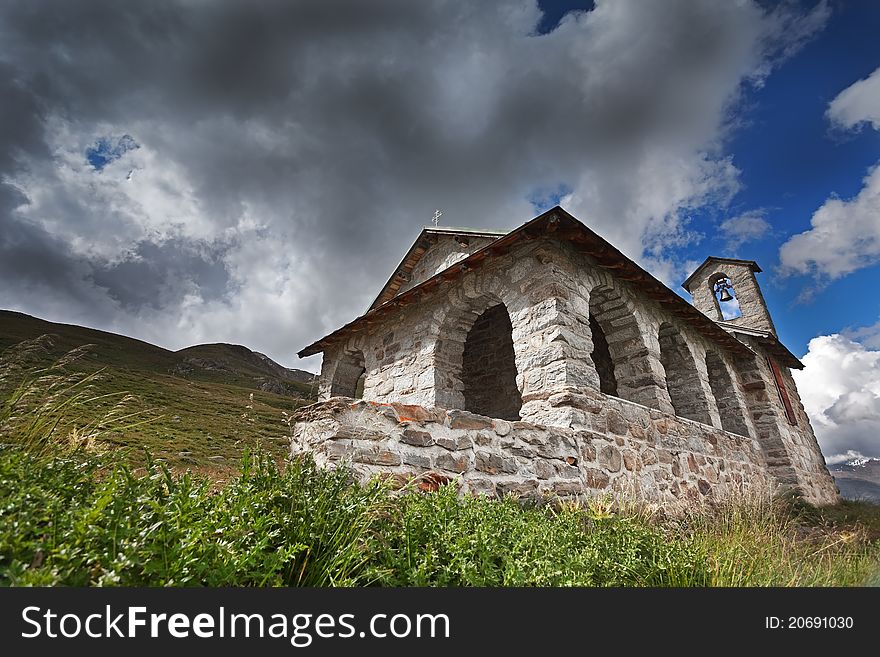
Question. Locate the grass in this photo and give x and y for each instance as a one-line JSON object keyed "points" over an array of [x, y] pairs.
{"points": [[76, 510], [203, 421], [81, 519]]}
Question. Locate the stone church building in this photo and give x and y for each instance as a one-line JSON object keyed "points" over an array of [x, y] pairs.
{"points": [[543, 362]]}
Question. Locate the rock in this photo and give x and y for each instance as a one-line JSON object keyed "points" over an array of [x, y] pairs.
{"points": [[455, 443], [502, 427], [466, 420], [453, 462], [494, 464], [415, 459], [544, 469], [616, 424], [417, 438], [527, 488], [609, 458], [594, 478], [377, 457]]}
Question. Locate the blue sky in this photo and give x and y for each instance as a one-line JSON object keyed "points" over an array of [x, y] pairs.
{"points": [[792, 160]]}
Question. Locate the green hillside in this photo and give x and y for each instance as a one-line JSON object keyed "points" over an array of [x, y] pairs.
{"points": [[202, 405]]}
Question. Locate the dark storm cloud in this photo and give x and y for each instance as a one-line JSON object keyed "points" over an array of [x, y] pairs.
{"points": [[291, 151], [158, 275]]}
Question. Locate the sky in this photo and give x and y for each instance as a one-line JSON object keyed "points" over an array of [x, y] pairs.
{"points": [[185, 171]]}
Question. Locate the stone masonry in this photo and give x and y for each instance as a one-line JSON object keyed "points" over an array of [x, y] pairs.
{"points": [[545, 362]]}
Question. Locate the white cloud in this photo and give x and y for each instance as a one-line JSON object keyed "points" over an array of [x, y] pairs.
{"points": [[866, 335], [744, 228], [840, 389], [857, 104], [844, 237], [844, 234]]}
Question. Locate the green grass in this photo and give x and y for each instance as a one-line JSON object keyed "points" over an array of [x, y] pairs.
{"points": [[77, 510], [80, 519], [204, 420]]}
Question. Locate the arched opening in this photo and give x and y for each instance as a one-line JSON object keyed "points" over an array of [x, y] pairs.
{"points": [[488, 367], [726, 301], [759, 403], [682, 379], [620, 354], [729, 408], [349, 377], [602, 360]]}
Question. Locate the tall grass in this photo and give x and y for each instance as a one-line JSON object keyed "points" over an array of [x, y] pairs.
{"points": [[38, 404]]}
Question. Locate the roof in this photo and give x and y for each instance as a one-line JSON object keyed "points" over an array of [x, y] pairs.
{"points": [[422, 243], [560, 223], [768, 340], [751, 264]]}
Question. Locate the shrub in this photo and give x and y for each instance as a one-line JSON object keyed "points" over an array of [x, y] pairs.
{"points": [[444, 540], [68, 521]]}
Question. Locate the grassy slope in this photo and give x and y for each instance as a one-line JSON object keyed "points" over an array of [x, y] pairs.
{"points": [[208, 413]]}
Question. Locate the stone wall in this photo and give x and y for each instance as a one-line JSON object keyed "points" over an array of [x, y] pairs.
{"points": [[553, 294], [631, 451], [445, 252]]}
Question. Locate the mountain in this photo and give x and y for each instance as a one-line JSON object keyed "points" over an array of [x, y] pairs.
{"points": [[858, 479], [213, 363], [205, 403]]}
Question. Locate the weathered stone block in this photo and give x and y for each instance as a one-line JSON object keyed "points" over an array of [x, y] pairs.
{"points": [[453, 462], [494, 463], [417, 438], [609, 458], [454, 443], [465, 420], [594, 478], [526, 488], [377, 457], [416, 459]]}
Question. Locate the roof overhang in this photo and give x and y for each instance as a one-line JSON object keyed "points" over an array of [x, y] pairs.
{"points": [[558, 223], [768, 341]]}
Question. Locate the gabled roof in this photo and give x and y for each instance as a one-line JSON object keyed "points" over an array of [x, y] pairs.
{"points": [[426, 238], [751, 264], [561, 224]]}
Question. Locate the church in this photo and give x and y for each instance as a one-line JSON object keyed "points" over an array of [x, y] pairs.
{"points": [[543, 362]]}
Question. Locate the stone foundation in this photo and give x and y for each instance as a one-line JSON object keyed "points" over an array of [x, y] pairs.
{"points": [[612, 446]]}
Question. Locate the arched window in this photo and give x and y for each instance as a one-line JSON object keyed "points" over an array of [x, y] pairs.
{"points": [[601, 356], [349, 377], [488, 366], [729, 408], [726, 300], [682, 379], [620, 354]]}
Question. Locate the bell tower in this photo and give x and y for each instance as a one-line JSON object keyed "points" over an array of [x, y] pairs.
{"points": [[726, 290]]}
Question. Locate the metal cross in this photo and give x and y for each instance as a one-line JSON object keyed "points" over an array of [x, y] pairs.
{"points": [[436, 219]]}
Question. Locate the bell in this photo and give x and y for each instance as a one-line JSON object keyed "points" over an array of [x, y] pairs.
{"points": [[725, 295]]}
